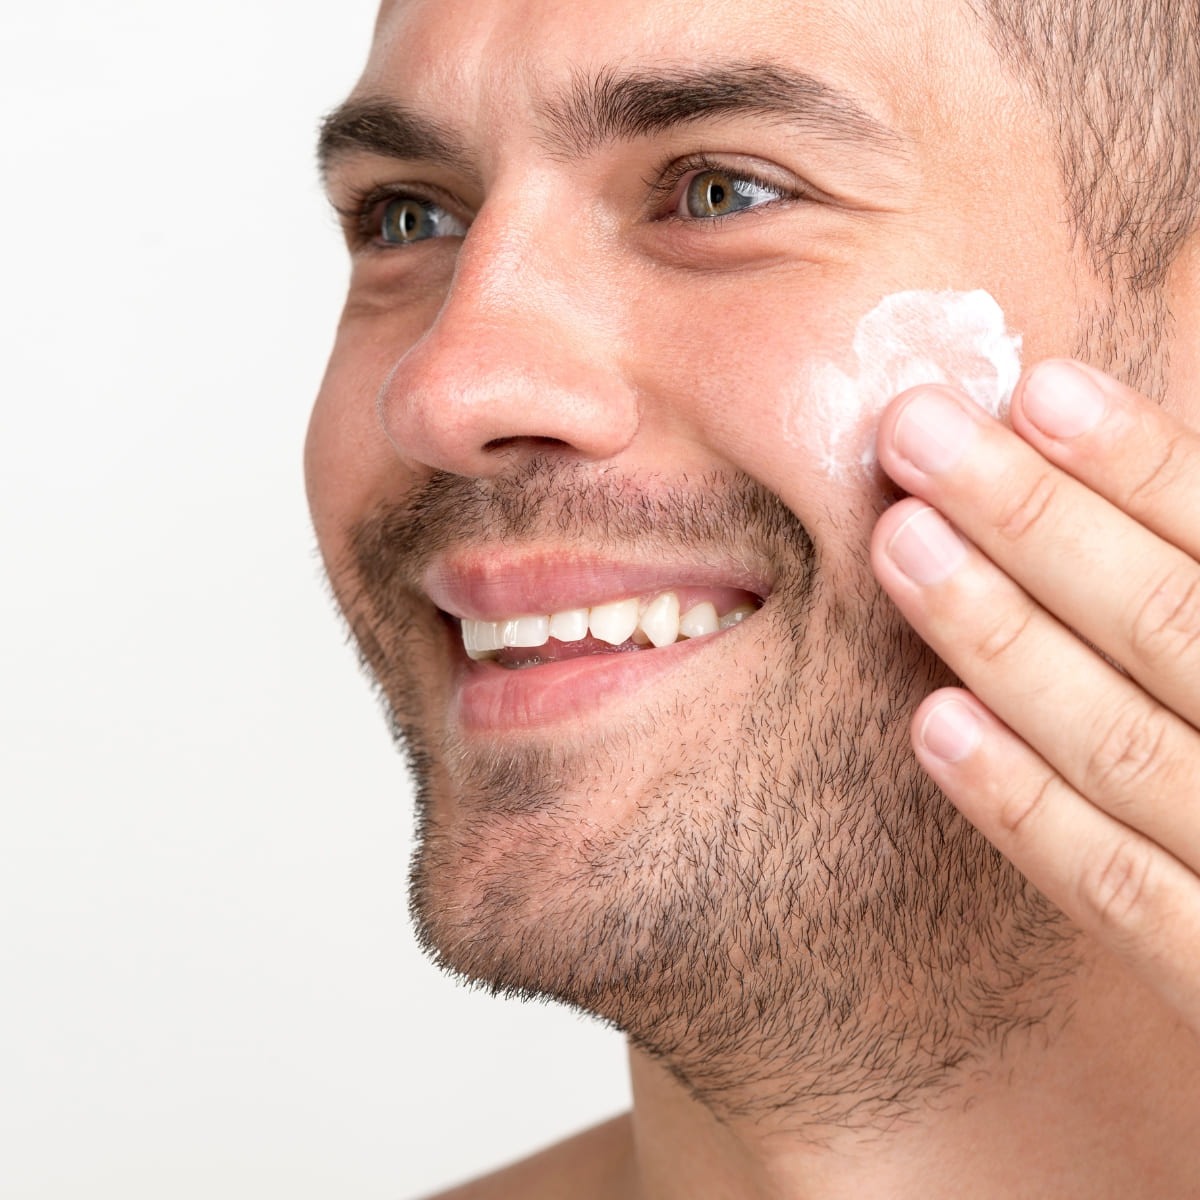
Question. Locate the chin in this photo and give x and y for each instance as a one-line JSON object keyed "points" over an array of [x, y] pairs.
{"points": [[723, 844]]}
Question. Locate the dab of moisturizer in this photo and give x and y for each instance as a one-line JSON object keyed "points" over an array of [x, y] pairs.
{"points": [[907, 339]]}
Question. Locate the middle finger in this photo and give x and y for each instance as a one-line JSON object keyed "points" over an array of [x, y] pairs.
{"points": [[1096, 568], [1112, 742]]}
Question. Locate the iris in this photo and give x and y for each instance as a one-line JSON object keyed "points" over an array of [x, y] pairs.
{"points": [[408, 219], [717, 193]]}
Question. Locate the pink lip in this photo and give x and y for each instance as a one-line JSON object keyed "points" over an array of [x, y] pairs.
{"points": [[492, 587], [487, 699], [490, 699]]}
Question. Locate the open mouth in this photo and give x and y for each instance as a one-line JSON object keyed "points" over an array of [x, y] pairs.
{"points": [[615, 627]]}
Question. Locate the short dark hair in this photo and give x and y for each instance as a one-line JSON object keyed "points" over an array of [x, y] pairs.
{"points": [[1121, 82]]}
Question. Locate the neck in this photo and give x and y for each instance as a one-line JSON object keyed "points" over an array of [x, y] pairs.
{"points": [[1103, 1104]]}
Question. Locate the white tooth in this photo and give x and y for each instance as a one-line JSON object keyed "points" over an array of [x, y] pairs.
{"points": [[480, 638], [614, 623], [470, 645], [660, 621], [569, 626], [488, 635], [698, 621], [526, 631], [736, 616]]}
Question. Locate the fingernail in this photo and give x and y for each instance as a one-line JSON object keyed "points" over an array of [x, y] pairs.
{"points": [[951, 731], [933, 431], [926, 549], [1062, 400]]}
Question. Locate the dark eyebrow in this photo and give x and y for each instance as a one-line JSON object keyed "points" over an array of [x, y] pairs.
{"points": [[374, 125], [609, 106], [613, 106]]}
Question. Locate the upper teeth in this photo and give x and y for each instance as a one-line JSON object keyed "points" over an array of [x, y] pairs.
{"points": [[657, 621]]}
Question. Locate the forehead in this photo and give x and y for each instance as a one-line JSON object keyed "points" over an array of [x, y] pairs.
{"points": [[489, 60]]}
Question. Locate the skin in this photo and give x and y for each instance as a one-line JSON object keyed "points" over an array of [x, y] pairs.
{"points": [[577, 335]]}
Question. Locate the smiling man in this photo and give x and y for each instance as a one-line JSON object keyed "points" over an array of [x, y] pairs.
{"points": [[695, 689]]}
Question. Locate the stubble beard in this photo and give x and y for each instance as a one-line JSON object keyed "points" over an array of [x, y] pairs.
{"points": [[796, 923]]}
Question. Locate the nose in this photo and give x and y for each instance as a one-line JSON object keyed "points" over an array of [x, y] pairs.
{"points": [[521, 357]]}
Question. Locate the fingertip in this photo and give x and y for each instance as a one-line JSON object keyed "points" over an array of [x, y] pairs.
{"points": [[1061, 398], [947, 728], [896, 440], [887, 525]]}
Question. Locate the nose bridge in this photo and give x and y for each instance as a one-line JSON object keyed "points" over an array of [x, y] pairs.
{"points": [[518, 354], [516, 262]]}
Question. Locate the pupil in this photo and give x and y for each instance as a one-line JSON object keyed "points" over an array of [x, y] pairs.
{"points": [[716, 195], [402, 221]]}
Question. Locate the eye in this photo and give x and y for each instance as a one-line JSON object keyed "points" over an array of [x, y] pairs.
{"points": [[715, 193], [404, 220]]}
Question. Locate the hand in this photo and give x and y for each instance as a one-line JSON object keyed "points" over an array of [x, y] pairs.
{"points": [[1086, 518]]}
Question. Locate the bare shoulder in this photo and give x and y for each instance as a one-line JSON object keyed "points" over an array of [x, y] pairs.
{"points": [[594, 1165]]}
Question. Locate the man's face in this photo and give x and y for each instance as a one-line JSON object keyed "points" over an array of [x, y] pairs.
{"points": [[673, 215]]}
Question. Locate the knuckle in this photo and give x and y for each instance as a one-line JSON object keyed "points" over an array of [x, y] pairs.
{"points": [[1120, 887], [1004, 632], [1128, 755], [1021, 808], [1167, 626], [1024, 511], [1169, 464]]}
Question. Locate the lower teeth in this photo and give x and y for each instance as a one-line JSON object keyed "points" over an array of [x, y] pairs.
{"points": [[508, 659]]}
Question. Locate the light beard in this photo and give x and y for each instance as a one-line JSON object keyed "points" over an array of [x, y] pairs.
{"points": [[795, 922]]}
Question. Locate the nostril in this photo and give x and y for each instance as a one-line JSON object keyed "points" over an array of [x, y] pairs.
{"points": [[544, 443]]}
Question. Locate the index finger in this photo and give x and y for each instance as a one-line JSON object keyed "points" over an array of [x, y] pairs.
{"points": [[1127, 586], [1125, 447]]}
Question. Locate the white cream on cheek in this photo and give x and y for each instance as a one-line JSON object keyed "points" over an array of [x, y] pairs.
{"points": [[907, 339]]}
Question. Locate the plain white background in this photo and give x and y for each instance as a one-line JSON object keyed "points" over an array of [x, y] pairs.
{"points": [[209, 986]]}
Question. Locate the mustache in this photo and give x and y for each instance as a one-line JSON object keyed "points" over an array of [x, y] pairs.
{"points": [[600, 508]]}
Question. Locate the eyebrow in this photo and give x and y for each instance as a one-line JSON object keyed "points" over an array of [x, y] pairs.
{"points": [[614, 106], [609, 106], [376, 125]]}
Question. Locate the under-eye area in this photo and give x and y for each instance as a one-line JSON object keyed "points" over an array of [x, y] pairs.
{"points": [[614, 627]]}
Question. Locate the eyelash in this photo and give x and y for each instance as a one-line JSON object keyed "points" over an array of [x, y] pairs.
{"points": [[665, 181], [360, 214]]}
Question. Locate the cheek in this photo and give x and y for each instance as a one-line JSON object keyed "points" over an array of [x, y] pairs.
{"points": [[796, 402], [748, 378], [350, 468]]}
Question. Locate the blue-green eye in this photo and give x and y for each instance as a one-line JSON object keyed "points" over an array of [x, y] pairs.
{"points": [[718, 193], [408, 219]]}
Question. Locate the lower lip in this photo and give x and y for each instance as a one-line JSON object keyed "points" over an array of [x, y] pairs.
{"points": [[490, 699]]}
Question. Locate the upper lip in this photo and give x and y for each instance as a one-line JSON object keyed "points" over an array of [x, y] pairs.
{"points": [[491, 586]]}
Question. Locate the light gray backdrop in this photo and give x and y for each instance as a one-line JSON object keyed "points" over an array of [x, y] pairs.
{"points": [[208, 987]]}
